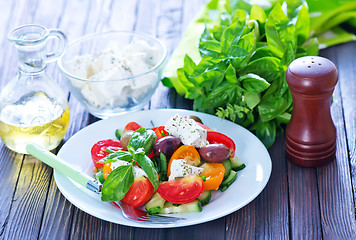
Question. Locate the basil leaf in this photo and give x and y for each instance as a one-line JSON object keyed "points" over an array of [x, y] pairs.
{"points": [[143, 138], [266, 131], [254, 83], [266, 67], [252, 99], [119, 155], [302, 26], [231, 36], [117, 184], [210, 48], [147, 166]]}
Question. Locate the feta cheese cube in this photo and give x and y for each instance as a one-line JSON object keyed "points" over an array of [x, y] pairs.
{"points": [[180, 168], [189, 132]]}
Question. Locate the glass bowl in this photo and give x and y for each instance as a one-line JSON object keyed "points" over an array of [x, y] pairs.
{"points": [[113, 72]]}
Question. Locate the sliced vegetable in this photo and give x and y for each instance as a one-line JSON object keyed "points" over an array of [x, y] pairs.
{"points": [[194, 206], [160, 132], [182, 190], [205, 197], [228, 181], [217, 137], [214, 175], [99, 150], [237, 164], [228, 167], [140, 192], [155, 204]]}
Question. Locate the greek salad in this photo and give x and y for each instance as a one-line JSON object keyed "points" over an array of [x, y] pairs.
{"points": [[169, 169]]}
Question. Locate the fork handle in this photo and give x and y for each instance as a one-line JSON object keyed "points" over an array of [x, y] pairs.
{"points": [[57, 163]]}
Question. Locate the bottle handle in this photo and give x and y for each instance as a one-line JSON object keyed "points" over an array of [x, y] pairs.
{"points": [[61, 47]]}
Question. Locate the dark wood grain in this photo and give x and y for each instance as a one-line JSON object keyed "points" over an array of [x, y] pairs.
{"points": [[297, 203]]}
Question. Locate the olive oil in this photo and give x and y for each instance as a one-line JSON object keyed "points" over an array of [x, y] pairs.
{"points": [[46, 130]]}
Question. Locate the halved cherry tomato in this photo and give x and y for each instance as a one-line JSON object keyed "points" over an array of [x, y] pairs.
{"points": [[214, 174], [139, 193], [160, 132], [98, 151], [216, 137], [132, 126], [188, 153], [181, 190], [106, 170]]}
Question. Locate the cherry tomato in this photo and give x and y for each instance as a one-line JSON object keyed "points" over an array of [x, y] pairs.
{"points": [[139, 193], [132, 126], [188, 153], [181, 190], [98, 151], [214, 174], [160, 132], [216, 137]]}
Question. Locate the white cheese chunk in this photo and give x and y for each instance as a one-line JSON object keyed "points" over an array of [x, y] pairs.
{"points": [[180, 168], [138, 172], [189, 132]]}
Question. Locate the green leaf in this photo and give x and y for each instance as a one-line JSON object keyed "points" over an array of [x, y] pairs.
{"points": [[231, 74], [206, 35], [217, 32], [189, 64], [279, 31], [236, 52], [254, 83], [147, 165], [119, 155], [252, 99], [266, 132], [143, 138], [210, 48], [231, 36], [265, 67], [257, 14], [117, 184], [221, 95], [302, 26]]}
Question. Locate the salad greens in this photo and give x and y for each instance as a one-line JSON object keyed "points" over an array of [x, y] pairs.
{"points": [[120, 179], [238, 69]]}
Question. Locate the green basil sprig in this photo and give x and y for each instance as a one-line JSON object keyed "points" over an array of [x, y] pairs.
{"points": [[117, 184], [119, 155], [143, 138], [147, 165]]}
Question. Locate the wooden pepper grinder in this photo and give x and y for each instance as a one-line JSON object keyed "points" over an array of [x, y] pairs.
{"points": [[311, 133]]}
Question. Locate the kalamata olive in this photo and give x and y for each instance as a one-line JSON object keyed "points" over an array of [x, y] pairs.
{"points": [[166, 145], [214, 152], [125, 138], [195, 118]]}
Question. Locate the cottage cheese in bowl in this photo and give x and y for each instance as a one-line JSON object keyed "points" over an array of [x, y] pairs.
{"points": [[121, 76]]}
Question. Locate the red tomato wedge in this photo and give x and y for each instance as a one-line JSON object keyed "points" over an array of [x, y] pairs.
{"points": [[205, 127], [98, 151], [139, 193], [160, 132], [216, 137], [132, 126], [182, 190]]}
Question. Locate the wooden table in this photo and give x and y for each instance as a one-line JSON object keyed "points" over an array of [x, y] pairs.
{"points": [[297, 203]]}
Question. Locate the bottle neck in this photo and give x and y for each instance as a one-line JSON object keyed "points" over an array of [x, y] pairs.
{"points": [[32, 59]]}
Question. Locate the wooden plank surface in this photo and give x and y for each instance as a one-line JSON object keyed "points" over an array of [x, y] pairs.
{"points": [[297, 203]]}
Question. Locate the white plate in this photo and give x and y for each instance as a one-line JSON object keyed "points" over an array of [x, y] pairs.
{"points": [[249, 183]]}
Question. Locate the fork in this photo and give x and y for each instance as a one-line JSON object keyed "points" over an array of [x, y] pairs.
{"points": [[63, 167]]}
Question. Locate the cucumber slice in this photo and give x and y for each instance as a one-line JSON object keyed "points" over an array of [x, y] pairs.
{"points": [[194, 206], [228, 181], [156, 204], [237, 164], [228, 166], [205, 197]]}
